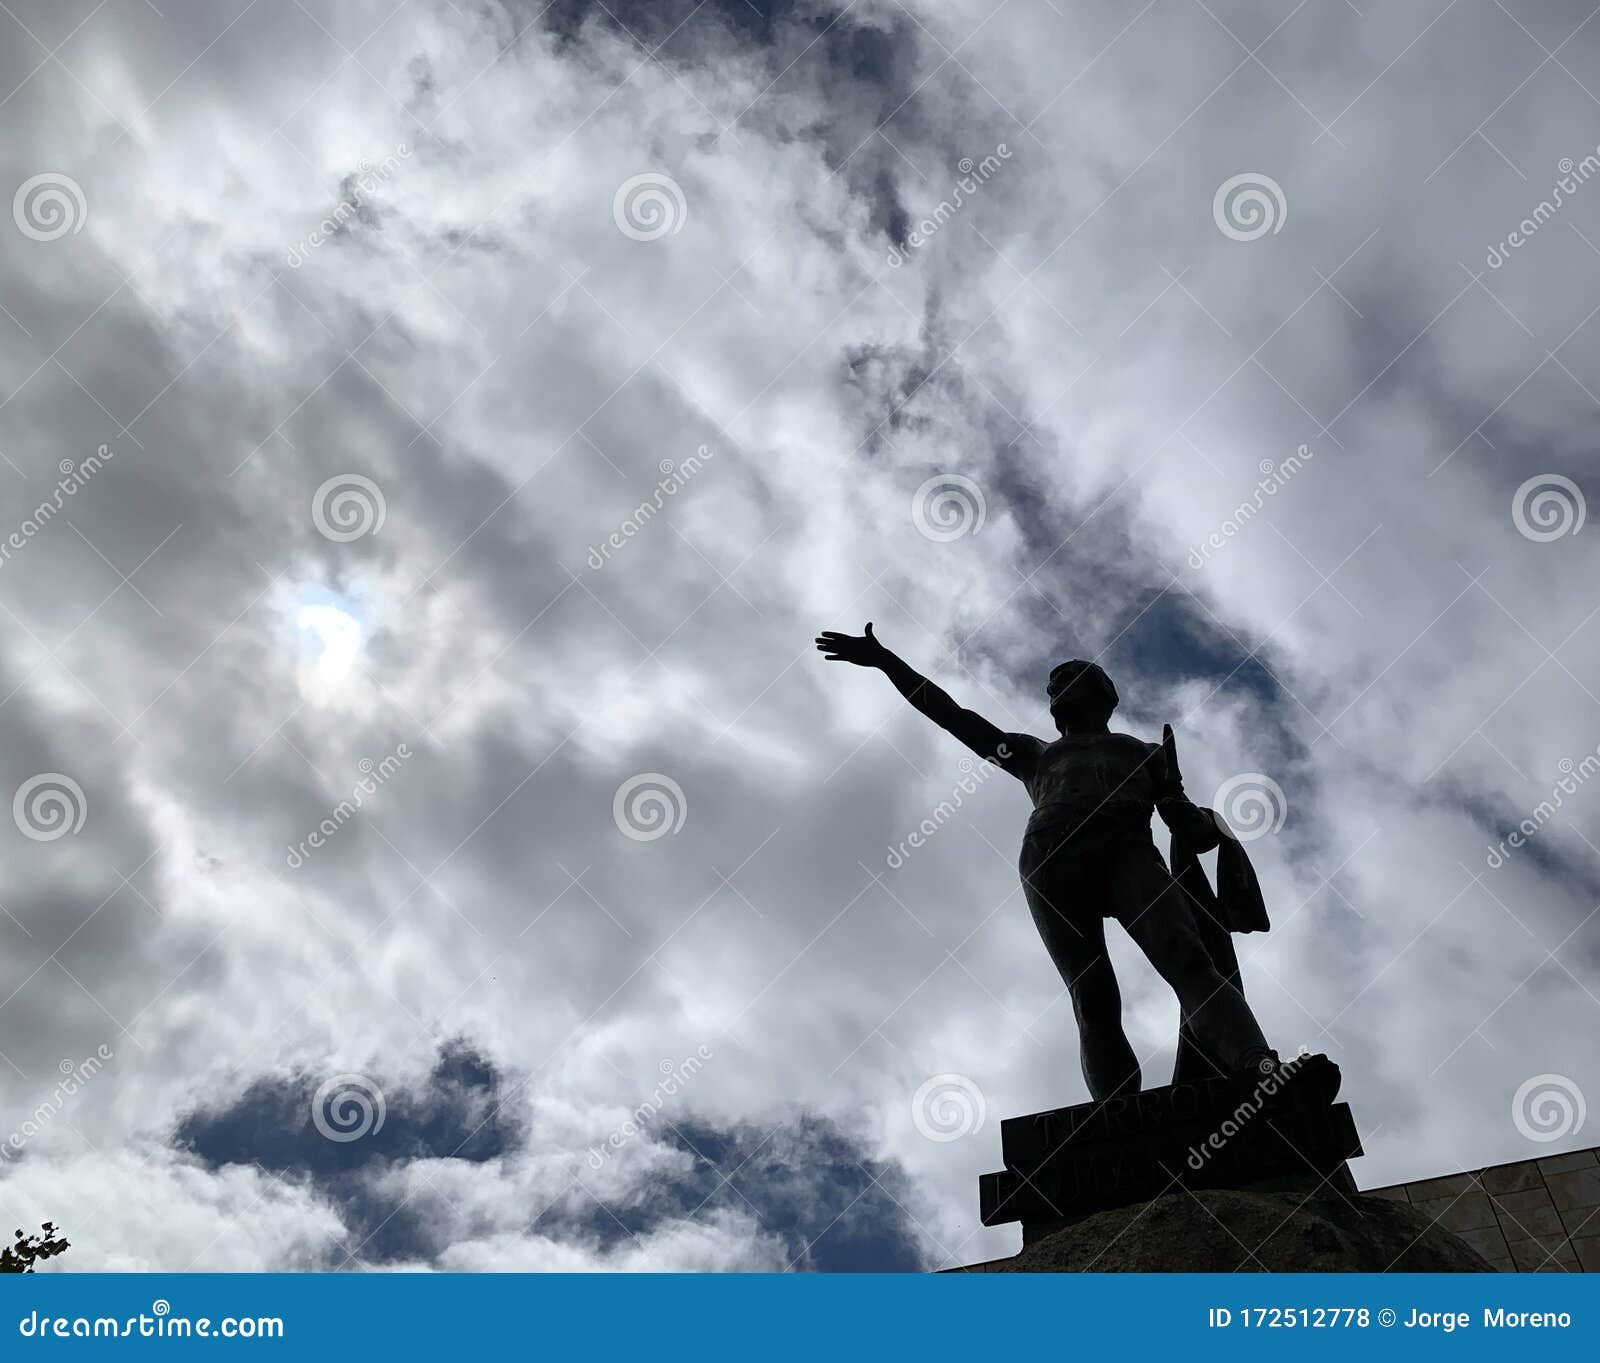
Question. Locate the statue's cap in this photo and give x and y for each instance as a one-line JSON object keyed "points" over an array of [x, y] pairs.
{"points": [[1079, 675]]}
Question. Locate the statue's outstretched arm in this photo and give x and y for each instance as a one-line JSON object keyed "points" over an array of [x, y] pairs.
{"points": [[989, 741]]}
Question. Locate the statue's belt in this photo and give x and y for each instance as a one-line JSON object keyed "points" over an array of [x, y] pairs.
{"points": [[1109, 818]]}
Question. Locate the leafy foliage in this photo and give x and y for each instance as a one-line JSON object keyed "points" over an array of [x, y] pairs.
{"points": [[21, 1256]]}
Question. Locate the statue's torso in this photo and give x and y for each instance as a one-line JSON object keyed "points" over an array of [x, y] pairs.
{"points": [[1094, 780]]}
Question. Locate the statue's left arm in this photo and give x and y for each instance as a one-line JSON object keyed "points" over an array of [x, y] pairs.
{"points": [[1237, 904], [1188, 823]]}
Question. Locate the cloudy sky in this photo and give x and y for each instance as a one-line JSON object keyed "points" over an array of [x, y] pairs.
{"points": [[341, 347]]}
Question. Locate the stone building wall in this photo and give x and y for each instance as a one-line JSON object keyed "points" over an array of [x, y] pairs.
{"points": [[1537, 1215]]}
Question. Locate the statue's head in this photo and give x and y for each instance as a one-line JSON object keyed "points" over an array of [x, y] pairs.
{"points": [[1081, 696]]}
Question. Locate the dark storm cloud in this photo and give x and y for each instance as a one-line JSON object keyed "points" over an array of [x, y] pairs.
{"points": [[755, 21], [834, 1207], [852, 83], [455, 1113], [1498, 820]]}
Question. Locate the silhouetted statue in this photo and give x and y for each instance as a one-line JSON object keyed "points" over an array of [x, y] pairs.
{"points": [[1087, 856]]}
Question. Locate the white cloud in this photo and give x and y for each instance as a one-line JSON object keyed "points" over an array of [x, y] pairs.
{"points": [[482, 343]]}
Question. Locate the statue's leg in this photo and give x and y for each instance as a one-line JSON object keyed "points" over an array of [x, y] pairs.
{"points": [[1158, 916], [1066, 908]]}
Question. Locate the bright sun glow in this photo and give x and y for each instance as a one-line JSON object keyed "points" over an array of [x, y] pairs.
{"points": [[339, 635]]}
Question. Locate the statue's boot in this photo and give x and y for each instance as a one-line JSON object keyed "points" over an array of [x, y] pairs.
{"points": [[1302, 1080]]}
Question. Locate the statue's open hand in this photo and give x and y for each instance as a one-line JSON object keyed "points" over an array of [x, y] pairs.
{"points": [[1169, 747], [1172, 778], [863, 650]]}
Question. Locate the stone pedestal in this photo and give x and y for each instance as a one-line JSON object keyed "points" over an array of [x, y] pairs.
{"points": [[1221, 1230], [1276, 1132]]}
